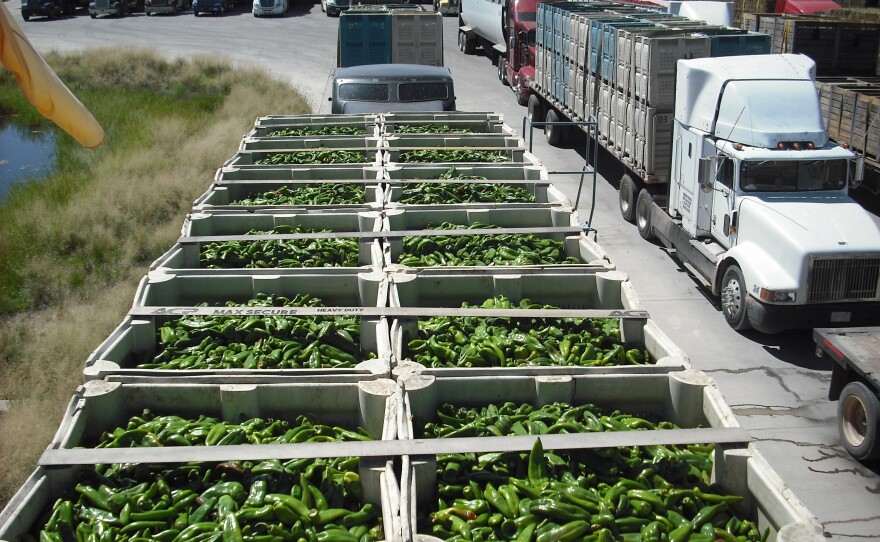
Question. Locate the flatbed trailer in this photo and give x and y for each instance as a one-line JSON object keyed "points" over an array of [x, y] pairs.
{"points": [[855, 381]]}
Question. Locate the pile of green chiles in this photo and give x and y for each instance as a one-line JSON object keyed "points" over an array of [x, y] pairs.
{"points": [[153, 430], [429, 129], [286, 253], [259, 342], [446, 341], [313, 157], [446, 193], [454, 155], [318, 131], [271, 501], [629, 494], [481, 250], [309, 194]]}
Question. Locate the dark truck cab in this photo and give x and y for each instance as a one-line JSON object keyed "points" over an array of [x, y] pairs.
{"points": [[47, 8], [382, 88]]}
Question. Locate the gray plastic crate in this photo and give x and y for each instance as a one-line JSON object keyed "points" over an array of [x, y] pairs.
{"points": [[137, 336], [562, 288], [738, 471], [372, 156], [439, 117], [328, 142], [263, 126], [320, 172], [99, 406], [339, 287], [394, 126], [379, 486], [641, 332], [531, 177], [485, 141], [241, 222], [688, 398], [421, 216], [219, 196], [587, 251], [512, 155], [185, 255]]}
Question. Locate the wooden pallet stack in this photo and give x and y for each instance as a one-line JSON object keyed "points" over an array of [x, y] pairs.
{"points": [[851, 109]]}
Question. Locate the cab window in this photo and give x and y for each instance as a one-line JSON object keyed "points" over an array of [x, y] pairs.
{"points": [[364, 92], [422, 92]]}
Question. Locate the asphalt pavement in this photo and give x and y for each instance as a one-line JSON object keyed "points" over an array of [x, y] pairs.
{"points": [[776, 385]]}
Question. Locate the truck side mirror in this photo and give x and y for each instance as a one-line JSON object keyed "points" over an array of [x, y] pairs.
{"points": [[707, 173], [859, 174]]}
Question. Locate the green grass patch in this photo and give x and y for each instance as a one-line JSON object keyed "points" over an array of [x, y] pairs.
{"points": [[75, 243]]}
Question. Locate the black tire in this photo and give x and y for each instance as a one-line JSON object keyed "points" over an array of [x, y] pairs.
{"points": [[92, 15], [555, 134], [858, 415], [469, 45], [501, 75], [536, 109], [643, 214], [626, 196], [733, 299], [461, 41], [28, 17]]}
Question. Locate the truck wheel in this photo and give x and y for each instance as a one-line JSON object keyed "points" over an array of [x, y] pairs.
{"points": [[733, 299], [627, 198], [501, 75], [858, 415], [536, 109], [468, 45], [555, 134], [28, 17], [520, 95], [643, 214]]}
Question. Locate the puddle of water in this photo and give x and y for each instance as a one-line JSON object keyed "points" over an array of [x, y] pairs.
{"points": [[26, 153]]}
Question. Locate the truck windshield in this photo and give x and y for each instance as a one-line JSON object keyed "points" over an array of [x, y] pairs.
{"points": [[422, 92], [793, 175], [364, 92]]}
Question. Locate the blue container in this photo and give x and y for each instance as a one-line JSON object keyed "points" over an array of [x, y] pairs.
{"points": [[364, 38]]}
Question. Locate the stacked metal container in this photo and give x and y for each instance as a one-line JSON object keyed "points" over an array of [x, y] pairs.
{"points": [[615, 63], [388, 390]]}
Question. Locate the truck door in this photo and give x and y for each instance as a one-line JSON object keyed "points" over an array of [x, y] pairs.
{"points": [[722, 202]]}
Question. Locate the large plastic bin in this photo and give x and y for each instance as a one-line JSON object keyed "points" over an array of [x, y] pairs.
{"points": [[264, 126], [282, 144], [136, 337], [185, 254], [99, 407], [740, 471], [588, 252], [511, 155], [504, 216], [298, 173], [371, 156], [562, 288], [339, 287], [27, 508], [395, 123], [485, 141], [239, 222], [220, 196], [532, 177]]}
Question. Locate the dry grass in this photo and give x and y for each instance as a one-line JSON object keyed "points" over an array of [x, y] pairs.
{"points": [[74, 246]]}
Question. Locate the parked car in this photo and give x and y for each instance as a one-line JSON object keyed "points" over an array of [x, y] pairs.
{"points": [[212, 6], [382, 88], [270, 7], [47, 8]]}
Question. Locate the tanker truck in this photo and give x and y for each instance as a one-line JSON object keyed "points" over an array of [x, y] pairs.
{"points": [[726, 161]]}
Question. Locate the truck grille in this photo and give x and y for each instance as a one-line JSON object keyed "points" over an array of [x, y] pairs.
{"points": [[844, 279], [267, 3]]}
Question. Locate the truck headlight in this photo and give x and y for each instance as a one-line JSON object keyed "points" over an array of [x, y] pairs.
{"points": [[777, 296]]}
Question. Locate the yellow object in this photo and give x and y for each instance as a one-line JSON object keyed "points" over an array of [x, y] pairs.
{"points": [[42, 88]]}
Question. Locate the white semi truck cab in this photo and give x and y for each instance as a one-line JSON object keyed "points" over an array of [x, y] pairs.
{"points": [[757, 204]]}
